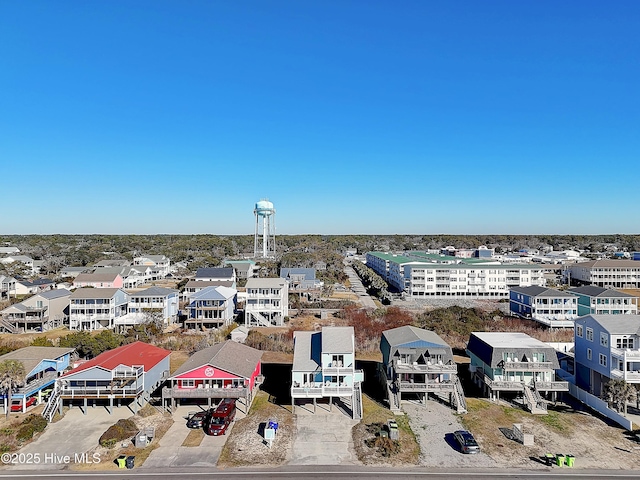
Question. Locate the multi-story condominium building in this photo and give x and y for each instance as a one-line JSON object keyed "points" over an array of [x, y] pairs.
{"points": [[324, 367], [160, 265], [212, 307], [504, 363], [96, 308], [163, 301], [420, 274], [41, 312], [604, 273], [604, 301], [606, 347], [418, 362], [551, 307], [267, 302]]}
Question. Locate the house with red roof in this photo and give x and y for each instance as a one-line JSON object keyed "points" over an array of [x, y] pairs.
{"points": [[125, 375], [225, 370]]}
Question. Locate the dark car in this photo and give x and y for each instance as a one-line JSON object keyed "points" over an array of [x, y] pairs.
{"points": [[219, 421], [467, 443], [198, 419]]}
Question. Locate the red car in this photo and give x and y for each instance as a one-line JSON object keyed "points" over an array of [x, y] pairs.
{"points": [[16, 405], [219, 421]]}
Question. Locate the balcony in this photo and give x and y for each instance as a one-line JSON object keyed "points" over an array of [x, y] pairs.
{"points": [[552, 386], [515, 386], [338, 370], [38, 384], [426, 387], [339, 391], [628, 376], [230, 392], [527, 366], [625, 353], [424, 368], [310, 391], [69, 392]]}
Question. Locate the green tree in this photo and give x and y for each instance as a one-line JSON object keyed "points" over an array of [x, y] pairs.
{"points": [[619, 393], [12, 375], [42, 342]]}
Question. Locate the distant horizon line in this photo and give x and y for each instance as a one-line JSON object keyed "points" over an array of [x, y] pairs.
{"points": [[317, 234]]}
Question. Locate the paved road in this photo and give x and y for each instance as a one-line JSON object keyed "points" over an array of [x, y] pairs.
{"points": [[335, 472], [358, 288]]}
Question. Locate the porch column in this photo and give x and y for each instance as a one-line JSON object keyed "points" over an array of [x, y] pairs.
{"points": [[110, 405], [314, 404], [24, 403], [331, 404], [39, 397], [85, 406]]}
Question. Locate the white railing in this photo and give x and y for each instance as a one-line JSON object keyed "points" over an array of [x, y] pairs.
{"points": [[625, 353], [528, 366], [425, 368]]}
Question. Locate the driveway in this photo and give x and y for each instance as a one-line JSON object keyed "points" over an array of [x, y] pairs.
{"points": [[72, 435], [323, 438], [171, 453], [434, 423], [358, 288]]}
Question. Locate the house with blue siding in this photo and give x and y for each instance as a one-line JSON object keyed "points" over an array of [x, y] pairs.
{"points": [[551, 307], [324, 367], [594, 300], [125, 375], [418, 362], [42, 366], [212, 307], [606, 347]]}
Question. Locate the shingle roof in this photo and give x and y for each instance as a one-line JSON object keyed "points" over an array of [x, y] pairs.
{"points": [[489, 347], [89, 292], [309, 273], [536, 291], [307, 351], [226, 272], [51, 294], [136, 353], [30, 357], [265, 282], [206, 283], [96, 277], [153, 292], [337, 339], [594, 291], [229, 356], [408, 334], [214, 293], [616, 324]]}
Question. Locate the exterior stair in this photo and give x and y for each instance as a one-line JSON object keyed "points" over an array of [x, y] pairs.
{"points": [[356, 402], [394, 398], [459, 398], [534, 401], [8, 326], [52, 404]]}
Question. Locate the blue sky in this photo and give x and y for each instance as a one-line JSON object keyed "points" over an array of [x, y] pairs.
{"points": [[351, 117]]}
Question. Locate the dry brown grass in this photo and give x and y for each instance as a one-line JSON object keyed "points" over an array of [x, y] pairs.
{"points": [[246, 447], [194, 438], [277, 357], [176, 359], [375, 413], [594, 443]]}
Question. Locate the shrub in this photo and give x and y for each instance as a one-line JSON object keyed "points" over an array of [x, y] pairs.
{"points": [[5, 447], [25, 433], [37, 422], [122, 430], [6, 432]]}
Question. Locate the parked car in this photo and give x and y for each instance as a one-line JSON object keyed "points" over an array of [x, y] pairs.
{"points": [[467, 443], [219, 421], [198, 419], [16, 405]]}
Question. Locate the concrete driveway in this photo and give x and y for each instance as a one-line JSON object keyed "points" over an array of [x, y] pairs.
{"points": [[323, 438], [72, 435], [171, 453]]}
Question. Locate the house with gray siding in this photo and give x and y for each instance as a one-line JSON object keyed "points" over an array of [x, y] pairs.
{"points": [[96, 308], [41, 312], [513, 363], [594, 300], [418, 362]]}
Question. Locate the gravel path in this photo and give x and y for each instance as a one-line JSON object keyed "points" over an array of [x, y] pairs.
{"points": [[433, 425]]}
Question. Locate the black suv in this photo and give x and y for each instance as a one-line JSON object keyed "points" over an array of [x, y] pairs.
{"points": [[198, 419]]}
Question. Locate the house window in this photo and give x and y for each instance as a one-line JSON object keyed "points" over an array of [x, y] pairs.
{"points": [[624, 343], [603, 360], [579, 332], [589, 355], [337, 360], [590, 334], [604, 339], [188, 383]]}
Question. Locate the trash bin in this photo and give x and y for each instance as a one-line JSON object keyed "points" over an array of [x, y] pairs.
{"points": [[559, 459], [549, 457], [273, 424], [570, 459], [384, 434], [130, 461], [121, 461]]}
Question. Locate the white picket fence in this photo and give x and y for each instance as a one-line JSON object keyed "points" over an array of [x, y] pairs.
{"points": [[600, 406]]}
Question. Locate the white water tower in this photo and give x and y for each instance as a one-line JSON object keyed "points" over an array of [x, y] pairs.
{"points": [[265, 237]]}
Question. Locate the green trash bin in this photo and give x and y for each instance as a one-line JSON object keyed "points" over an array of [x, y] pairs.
{"points": [[559, 459], [122, 460], [570, 459]]}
